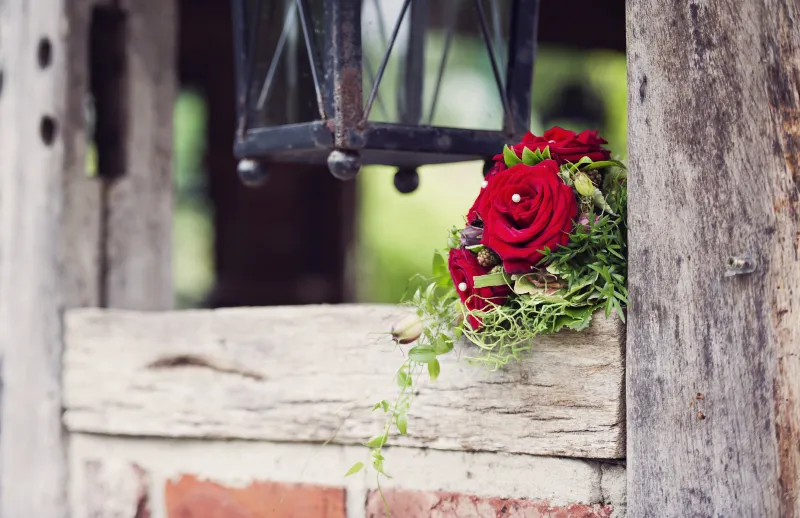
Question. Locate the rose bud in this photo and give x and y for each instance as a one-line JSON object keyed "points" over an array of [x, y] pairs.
{"points": [[407, 330], [583, 184], [584, 220], [471, 236]]}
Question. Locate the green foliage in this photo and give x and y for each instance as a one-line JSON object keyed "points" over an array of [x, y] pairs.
{"points": [[437, 304], [569, 286], [533, 157], [358, 466], [510, 157], [529, 156], [591, 272], [490, 279]]}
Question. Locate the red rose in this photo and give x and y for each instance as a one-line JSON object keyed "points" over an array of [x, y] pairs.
{"points": [[463, 267], [524, 210], [566, 145], [499, 165]]}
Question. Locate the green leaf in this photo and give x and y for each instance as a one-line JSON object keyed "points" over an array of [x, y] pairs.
{"points": [[381, 404], [442, 345], [377, 441], [377, 462], [491, 279], [602, 163], [439, 264], [439, 268], [402, 423], [358, 466], [403, 379], [523, 286], [433, 369], [614, 178], [600, 202], [509, 157], [422, 354], [530, 157]]}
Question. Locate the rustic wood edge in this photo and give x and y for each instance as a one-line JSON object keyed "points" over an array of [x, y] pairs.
{"points": [[87, 339]]}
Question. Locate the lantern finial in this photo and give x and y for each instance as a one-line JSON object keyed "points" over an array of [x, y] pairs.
{"points": [[344, 164]]}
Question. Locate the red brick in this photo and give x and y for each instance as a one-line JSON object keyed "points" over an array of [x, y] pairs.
{"points": [[425, 504], [191, 497]]}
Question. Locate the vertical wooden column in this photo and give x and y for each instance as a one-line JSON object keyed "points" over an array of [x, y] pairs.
{"points": [[713, 388], [138, 270], [68, 240]]}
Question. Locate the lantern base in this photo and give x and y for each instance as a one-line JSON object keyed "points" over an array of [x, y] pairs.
{"points": [[398, 145]]}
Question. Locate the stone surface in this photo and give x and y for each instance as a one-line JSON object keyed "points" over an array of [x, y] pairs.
{"points": [[191, 497], [431, 504]]}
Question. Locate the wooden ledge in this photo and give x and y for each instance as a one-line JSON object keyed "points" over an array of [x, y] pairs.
{"points": [[286, 373]]}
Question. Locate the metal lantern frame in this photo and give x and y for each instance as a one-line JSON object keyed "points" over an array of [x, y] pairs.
{"points": [[343, 136]]}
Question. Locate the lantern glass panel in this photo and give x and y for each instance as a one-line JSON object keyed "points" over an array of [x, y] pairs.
{"points": [[439, 71], [281, 88]]}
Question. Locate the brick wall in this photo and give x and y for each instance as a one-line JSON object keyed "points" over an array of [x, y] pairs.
{"points": [[190, 497], [157, 478]]}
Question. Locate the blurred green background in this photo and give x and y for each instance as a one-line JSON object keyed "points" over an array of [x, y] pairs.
{"points": [[396, 233]]}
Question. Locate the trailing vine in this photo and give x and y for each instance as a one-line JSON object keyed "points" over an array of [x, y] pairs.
{"points": [[499, 312]]}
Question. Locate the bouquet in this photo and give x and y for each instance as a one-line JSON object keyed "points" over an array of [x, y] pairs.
{"points": [[543, 248]]}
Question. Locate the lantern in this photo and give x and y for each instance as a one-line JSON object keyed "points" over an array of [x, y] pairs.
{"points": [[358, 82]]}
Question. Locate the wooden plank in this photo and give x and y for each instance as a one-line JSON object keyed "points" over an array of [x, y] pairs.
{"points": [[713, 388], [52, 230], [290, 373], [139, 203], [50, 234]]}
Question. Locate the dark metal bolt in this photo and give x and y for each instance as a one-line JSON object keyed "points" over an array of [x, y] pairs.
{"points": [[406, 180], [252, 173], [344, 164]]}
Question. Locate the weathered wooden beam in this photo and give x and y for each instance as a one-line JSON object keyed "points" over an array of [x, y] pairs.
{"points": [[51, 235], [138, 241], [307, 373], [57, 241], [713, 387]]}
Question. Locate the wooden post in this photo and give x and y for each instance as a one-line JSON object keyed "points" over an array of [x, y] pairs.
{"points": [[68, 240], [713, 388]]}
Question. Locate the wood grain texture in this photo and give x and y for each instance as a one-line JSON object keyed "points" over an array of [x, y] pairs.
{"points": [[55, 242], [139, 203], [291, 373], [49, 227], [713, 386]]}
